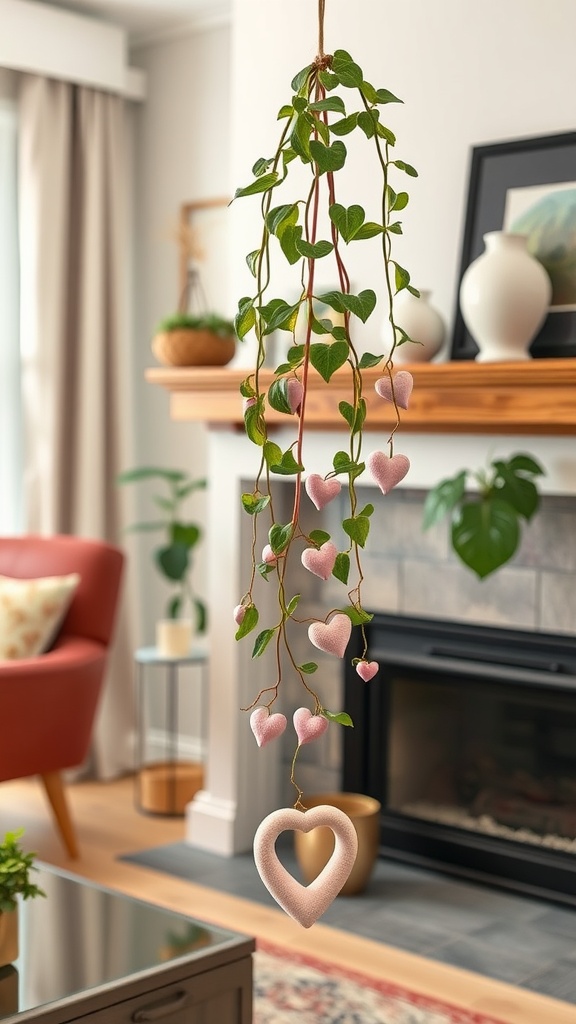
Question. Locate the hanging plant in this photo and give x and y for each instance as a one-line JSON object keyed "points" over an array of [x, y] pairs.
{"points": [[485, 527], [330, 99]]}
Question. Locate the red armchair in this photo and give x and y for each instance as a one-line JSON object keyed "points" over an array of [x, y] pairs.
{"points": [[48, 703]]}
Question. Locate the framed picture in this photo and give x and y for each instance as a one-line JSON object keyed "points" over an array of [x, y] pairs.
{"points": [[203, 235], [527, 186]]}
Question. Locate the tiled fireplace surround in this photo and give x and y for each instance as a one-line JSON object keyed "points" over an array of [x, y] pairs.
{"points": [[411, 572], [406, 571]]}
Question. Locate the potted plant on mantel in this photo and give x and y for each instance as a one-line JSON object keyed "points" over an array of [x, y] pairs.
{"points": [[302, 224], [173, 557], [15, 869], [194, 336], [187, 339]]}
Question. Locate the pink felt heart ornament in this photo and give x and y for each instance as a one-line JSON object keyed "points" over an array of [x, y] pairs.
{"points": [[331, 637], [321, 491], [239, 613], [268, 555], [386, 471], [265, 726], [321, 560], [305, 903], [294, 393], [367, 669], [308, 727], [399, 388]]}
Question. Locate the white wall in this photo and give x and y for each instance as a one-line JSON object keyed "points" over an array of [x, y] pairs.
{"points": [[468, 74], [182, 155]]}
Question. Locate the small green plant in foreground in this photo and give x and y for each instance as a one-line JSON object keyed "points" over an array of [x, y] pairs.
{"points": [[15, 868]]}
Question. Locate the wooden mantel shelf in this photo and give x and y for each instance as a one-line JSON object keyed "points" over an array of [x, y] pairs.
{"points": [[533, 397]]}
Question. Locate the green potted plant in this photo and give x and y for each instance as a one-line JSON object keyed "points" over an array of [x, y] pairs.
{"points": [[189, 339], [15, 882], [173, 556], [486, 526]]}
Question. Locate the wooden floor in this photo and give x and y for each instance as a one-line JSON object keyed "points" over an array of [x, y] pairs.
{"points": [[108, 825]]}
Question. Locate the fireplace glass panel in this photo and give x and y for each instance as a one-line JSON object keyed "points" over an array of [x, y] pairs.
{"points": [[471, 754]]}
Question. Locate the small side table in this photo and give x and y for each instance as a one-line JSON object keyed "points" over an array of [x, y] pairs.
{"points": [[165, 787]]}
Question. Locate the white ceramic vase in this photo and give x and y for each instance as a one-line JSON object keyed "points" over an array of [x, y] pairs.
{"points": [[422, 323], [504, 298]]}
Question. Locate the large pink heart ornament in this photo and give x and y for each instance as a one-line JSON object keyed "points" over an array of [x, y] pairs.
{"points": [[331, 637], [305, 903], [386, 471], [321, 560], [308, 726], [399, 387], [321, 491], [265, 726]]}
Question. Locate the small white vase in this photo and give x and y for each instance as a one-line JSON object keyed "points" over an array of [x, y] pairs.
{"points": [[174, 637], [422, 323], [504, 298]]}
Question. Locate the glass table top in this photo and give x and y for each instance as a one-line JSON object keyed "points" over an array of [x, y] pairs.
{"points": [[83, 936]]}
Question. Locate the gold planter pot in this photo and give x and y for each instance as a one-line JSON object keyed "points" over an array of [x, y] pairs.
{"points": [[8, 936], [313, 849]]}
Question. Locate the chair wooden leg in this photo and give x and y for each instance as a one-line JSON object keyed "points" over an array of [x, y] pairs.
{"points": [[56, 795]]}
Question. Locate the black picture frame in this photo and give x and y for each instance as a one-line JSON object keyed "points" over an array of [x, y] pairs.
{"points": [[494, 169]]}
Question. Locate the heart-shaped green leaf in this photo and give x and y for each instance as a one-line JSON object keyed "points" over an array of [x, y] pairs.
{"points": [[261, 642], [335, 103], [278, 397], [357, 528], [287, 465], [308, 668], [326, 359], [249, 622], [253, 504], [272, 453], [245, 317], [291, 235], [263, 184], [342, 717], [341, 568], [279, 537], [348, 220], [319, 537], [349, 73], [485, 535], [328, 158], [369, 359], [280, 217], [345, 126], [314, 250]]}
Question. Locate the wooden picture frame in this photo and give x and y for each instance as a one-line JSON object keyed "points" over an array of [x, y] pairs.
{"points": [[505, 177], [191, 216]]}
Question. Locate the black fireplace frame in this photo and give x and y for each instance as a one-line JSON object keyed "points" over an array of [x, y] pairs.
{"points": [[426, 646]]}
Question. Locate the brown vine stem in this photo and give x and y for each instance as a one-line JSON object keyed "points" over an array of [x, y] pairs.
{"points": [[298, 805]]}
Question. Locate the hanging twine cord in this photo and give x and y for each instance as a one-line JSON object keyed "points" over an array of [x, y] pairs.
{"points": [[322, 60], [321, 9]]}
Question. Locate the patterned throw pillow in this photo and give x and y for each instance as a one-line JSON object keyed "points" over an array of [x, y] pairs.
{"points": [[31, 612]]}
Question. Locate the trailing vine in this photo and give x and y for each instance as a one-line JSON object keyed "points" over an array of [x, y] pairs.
{"points": [[330, 100]]}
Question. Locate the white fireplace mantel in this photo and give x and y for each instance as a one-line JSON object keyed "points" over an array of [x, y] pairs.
{"points": [[242, 781]]}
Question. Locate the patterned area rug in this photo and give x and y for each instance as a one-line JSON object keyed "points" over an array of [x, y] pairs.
{"points": [[294, 989]]}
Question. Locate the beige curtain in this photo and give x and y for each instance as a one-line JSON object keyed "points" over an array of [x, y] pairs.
{"points": [[73, 222]]}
